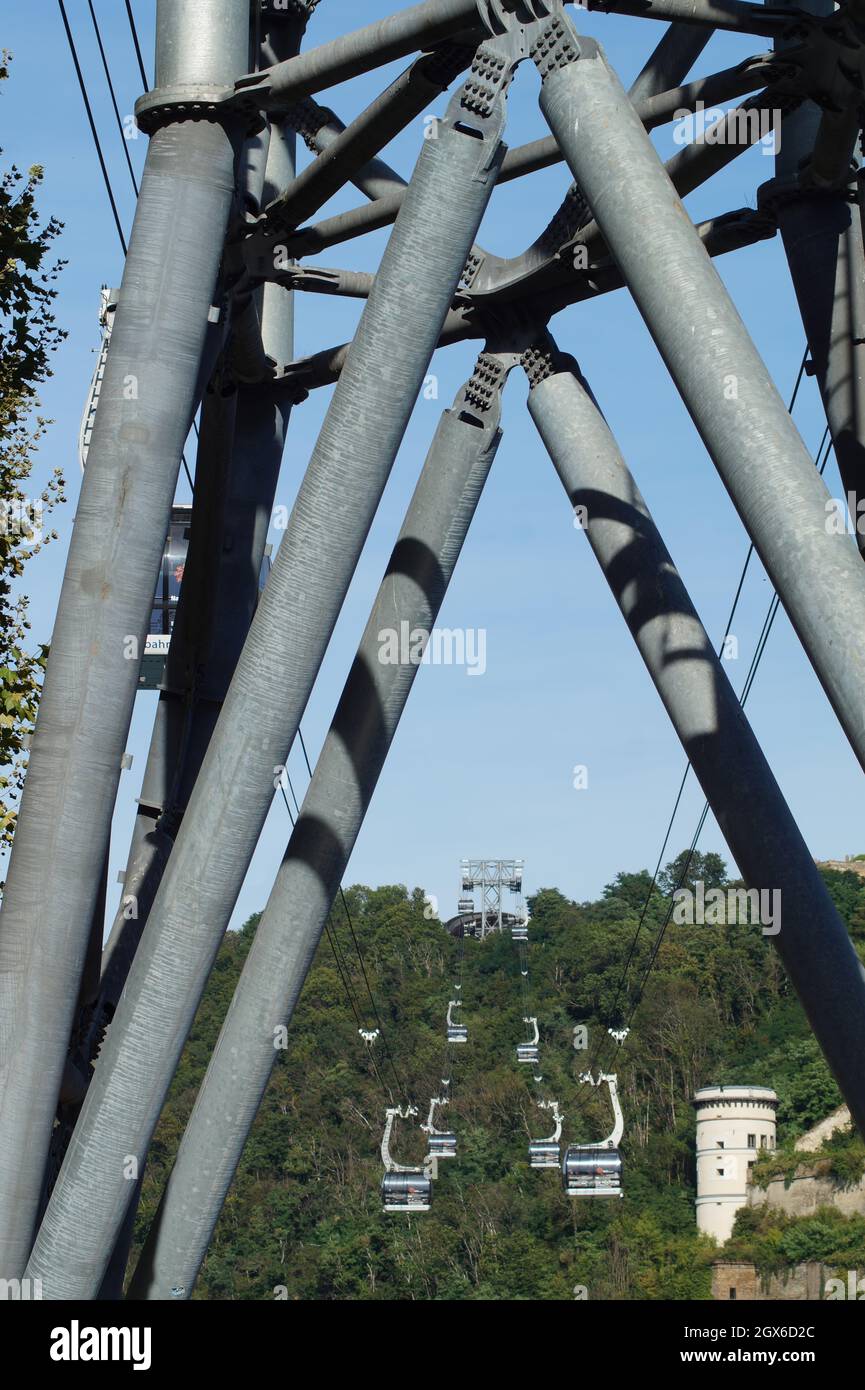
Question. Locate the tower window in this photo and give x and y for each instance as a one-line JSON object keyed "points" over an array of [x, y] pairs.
{"points": [[752, 1141]]}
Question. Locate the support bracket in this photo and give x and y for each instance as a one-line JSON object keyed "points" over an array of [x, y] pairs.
{"points": [[191, 102]]}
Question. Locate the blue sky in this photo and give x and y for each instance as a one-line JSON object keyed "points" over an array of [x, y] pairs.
{"points": [[480, 766]]}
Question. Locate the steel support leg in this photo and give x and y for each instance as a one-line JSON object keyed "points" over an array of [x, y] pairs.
{"points": [[822, 236], [331, 817], [720, 375], [240, 455], [254, 424], [146, 405], [155, 825], [350, 465], [754, 818]]}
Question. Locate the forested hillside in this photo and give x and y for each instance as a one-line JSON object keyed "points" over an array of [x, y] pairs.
{"points": [[303, 1219]]}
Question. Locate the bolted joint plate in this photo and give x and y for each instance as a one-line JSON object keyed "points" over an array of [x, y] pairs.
{"points": [[557, 44], [544, 359], [516, 30], [443, 64], [490, 76], [519, 29], [506, 348], [829, 61], [224, 105], [486, 383]]}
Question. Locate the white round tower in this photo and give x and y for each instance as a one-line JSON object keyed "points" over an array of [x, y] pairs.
{"points": [[734, 1123]]}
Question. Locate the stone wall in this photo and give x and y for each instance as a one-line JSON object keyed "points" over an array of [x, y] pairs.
{"points": [[805, 1194], [843, 866], [739, 1280], [810, 1190], [816, 1137]]}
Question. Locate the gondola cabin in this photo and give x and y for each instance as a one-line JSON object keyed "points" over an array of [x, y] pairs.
{"points": [[443, 1146], [544, 1153], [592, 1172], [406, 1191], [166, 599], [167, 595]]}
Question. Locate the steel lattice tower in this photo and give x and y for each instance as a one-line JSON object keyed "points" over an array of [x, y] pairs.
{"points": [[491, 880]]}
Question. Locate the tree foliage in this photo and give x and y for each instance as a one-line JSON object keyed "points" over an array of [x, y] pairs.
{"points": [[303, 1218], [773, 1241], [692, 867], [28, 337]]}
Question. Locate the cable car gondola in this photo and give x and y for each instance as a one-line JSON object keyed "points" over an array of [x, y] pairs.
{"points": [[456, 1032], [166, 598], [168, 594], [408, 1190], [592, 1172], [403, 1188], [441, 1143], [546, 1153], [528, 1051], [595, 1170], [543, 1153]]}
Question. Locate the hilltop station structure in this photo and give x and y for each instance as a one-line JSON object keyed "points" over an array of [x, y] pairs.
{"points": [[486, 886]]}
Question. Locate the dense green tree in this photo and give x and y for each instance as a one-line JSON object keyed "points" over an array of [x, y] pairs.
{"points": [[303, 1218], [690, 868], [28, 337]]}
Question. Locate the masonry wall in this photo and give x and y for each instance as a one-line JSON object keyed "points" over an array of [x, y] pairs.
{"points": [[803, 1282], [806, 1194], [816, 1137]]}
